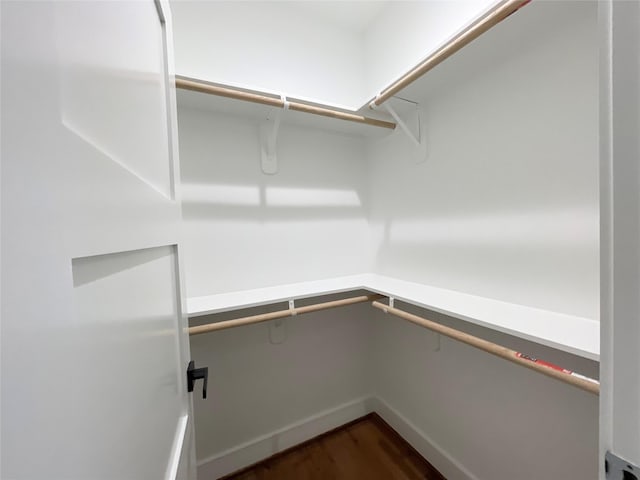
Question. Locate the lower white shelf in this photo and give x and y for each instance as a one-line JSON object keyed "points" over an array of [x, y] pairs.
{"points": [[577, 335]]}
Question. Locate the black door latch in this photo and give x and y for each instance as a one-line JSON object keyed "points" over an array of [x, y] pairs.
{"points": [[194, 374]]}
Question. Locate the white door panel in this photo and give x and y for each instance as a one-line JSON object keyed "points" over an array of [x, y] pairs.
{"points": [[94, 346], [116, 102], [127, 302], [620, 236]]}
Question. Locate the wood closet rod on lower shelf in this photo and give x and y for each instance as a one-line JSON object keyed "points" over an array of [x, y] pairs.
{"points": [[264, 99], [265, 317], [566, 376]]}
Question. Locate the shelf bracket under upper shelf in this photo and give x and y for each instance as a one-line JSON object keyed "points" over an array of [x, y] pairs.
{"points": [[269, 140], [419, 137]]}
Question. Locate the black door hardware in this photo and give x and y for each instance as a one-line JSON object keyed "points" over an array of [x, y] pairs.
{"points": [[194, 374]]}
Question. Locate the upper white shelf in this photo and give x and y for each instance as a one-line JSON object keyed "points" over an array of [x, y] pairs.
{"points": [[197, 306], [576, 335]]}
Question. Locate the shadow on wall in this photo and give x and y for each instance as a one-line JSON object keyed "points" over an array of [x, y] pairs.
{"points": [[319, 174], [506, 204], [241, 202], [244, 229]]}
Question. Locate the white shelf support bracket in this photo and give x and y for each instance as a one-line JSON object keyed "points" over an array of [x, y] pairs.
{"points": [[419, 140], [278, 328], [269, 141], [391, 304]]}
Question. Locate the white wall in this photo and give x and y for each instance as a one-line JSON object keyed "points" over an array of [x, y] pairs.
{"points": [[314, 50], [403, 34], [244, 229], [506, 204], [269, 46], [494, 419], [257, 388]]}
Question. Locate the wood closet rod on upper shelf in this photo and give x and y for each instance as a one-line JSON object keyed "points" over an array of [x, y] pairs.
{"points": [[566, 376], [230, 92], [264, 317], [466, 36]]}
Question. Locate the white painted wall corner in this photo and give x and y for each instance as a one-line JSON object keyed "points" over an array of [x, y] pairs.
{"points": [[293, 434], [264, 446]]}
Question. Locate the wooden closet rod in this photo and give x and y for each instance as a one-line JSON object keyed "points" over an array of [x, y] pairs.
{"points": [[265, 317], [581, 382], [473, 31], [229, 92]]}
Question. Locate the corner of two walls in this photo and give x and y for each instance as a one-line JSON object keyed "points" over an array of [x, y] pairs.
{"points": [[505, 206], [511, 173], [244, 230], [476, 416], [267, 396]]}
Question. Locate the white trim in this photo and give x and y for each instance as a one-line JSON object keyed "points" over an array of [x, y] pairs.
{"points": [[619, 227], [176, 449], [264, 446], [442, 460], [605, 80]]}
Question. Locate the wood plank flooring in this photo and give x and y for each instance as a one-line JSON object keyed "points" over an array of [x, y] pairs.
{"points": [[367, 449]]}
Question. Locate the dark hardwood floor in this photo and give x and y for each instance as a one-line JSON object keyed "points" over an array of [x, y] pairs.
{"points": [[367, 449]]}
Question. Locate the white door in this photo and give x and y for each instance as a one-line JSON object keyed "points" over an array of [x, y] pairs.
{"points": [[94, 344], [620, 219]]}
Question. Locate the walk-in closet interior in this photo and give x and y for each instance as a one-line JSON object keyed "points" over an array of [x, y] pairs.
{"points": [[466, 195], [318, 239]]}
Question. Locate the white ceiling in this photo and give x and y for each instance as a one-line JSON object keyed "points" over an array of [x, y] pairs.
{"points": [[353, 15], [334, 52]]}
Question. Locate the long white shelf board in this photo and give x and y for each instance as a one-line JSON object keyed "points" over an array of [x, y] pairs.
{"points": [[197, 306], [577, 335]]}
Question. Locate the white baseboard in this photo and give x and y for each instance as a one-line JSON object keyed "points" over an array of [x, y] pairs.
{"points": [[265, 446], [444, 462]]}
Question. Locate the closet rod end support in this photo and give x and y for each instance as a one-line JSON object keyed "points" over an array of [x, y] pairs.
{"points": [[391, 304]]}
